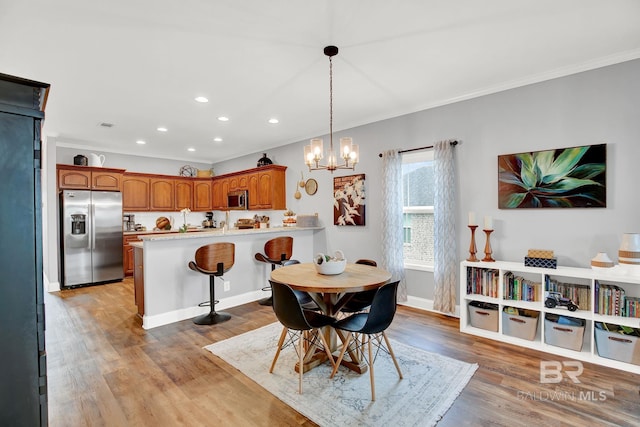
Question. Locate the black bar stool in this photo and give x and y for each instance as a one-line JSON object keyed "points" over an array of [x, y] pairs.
{"points": [[213, 260], [276, 252]]}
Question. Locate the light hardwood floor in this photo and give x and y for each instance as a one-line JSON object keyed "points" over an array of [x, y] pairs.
{"points": [[105, 370]]}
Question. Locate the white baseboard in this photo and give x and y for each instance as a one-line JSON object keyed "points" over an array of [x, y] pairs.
{"points": [[153, 321], [427, 305], [49, 286]]}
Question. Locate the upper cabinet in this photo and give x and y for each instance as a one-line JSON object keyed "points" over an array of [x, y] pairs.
{"points": [[135, 192], [148, 192], [202, 194], [239, 182], [72, 177], [162, 194], [219, 190], [267, 188], [183, 193]]}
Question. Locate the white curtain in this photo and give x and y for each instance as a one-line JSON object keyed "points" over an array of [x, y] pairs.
{"points": [[445, 262], [392, 242]]}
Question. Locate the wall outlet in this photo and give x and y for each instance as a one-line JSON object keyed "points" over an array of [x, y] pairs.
{"points": [[227, 285]]}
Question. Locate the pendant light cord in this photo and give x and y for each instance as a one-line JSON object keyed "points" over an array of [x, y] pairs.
{"points": [[331, 105]]}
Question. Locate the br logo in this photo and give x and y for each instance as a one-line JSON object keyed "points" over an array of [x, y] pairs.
{"points": [[552, 371]]}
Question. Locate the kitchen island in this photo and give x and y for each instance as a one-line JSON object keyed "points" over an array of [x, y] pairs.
{"points": [[168, 291]]}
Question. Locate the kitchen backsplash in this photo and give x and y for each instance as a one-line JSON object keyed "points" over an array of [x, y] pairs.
{"points": [[148, 219]]}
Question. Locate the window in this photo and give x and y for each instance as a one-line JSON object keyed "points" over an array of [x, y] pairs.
{"points": [[417, 208]]}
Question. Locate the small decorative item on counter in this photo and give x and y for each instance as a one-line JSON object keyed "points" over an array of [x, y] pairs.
{"points": [[601, 260], [289, 219], [245, 223], [262, 221], [184, 227], [163, 223], [264, 160], [328, 265], [307, 220]]}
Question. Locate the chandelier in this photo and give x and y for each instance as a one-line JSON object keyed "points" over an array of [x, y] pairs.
{"points": [[314, 152]]}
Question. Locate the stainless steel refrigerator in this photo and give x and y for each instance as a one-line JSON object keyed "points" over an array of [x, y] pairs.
{"points": [[91, 237]]}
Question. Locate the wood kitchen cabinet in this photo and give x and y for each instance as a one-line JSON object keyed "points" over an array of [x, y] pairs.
{"points": [[72, 177], [138, 280], [161, 194], [183, 194], [135, 192], [267, 188], [239, 182], [202, 194], [219, 191], [127, 253]]}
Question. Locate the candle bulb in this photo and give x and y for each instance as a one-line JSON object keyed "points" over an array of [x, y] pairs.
{"points": [[472, 218], [488, 223]]}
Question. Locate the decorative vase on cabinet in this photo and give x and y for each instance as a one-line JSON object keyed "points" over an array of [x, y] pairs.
{"points": [[264, 160]]}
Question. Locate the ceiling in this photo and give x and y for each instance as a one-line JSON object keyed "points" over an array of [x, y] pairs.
{"points": [[139, 64]]}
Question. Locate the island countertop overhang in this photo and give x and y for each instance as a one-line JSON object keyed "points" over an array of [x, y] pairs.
{"points": [[218, 232]]}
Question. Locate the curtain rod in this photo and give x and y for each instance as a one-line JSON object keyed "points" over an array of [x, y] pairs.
{"points": [[453, 143]]}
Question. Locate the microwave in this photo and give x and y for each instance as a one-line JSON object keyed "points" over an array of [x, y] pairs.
{"points": [[238, 200]]}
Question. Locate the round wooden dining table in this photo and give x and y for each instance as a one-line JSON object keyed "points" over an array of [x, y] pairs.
{"points": [[331, 292]]}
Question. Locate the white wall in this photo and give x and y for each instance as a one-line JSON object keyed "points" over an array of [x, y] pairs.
{"points": [[586, 108]]}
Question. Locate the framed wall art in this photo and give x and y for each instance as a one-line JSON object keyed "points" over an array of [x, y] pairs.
{"points": [[349, 200], [573, 177]]}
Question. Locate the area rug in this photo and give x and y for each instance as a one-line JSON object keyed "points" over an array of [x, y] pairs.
{"points": [[430, 386]]}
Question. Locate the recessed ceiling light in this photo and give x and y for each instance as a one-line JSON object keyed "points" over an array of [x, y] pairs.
{"points": [[162, 129], [217, 139], [191, 149], [273, 121], [201, 99], [141, 142], [223, 118]]}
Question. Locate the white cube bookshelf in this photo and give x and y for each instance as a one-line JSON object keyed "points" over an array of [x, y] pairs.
{"points": [[572, 275]]}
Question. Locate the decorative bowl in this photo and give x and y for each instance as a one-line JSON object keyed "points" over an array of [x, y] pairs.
{"points": [[328, 265]]}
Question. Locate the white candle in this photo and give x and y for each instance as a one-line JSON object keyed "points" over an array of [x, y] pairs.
{"points": [[472, 218], [488, 223]]}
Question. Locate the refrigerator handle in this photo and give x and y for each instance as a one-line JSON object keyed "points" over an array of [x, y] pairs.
{"points": [[92, 235]]}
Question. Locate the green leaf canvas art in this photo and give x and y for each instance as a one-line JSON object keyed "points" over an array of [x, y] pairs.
{"points": [[572, 177]]}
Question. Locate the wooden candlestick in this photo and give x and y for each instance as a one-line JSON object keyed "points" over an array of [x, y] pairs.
{"points": [[487, 248], [472, 246]]}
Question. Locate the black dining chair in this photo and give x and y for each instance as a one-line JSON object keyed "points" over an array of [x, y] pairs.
{"points": [[371, 326], [360, 300], [301, 326], [304, 298]]}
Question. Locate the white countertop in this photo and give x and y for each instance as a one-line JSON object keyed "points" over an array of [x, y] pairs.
{"points": [[214, 232]]}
